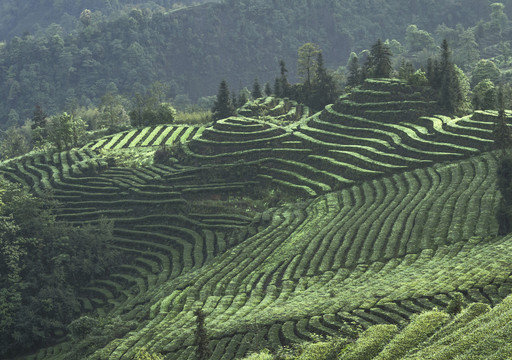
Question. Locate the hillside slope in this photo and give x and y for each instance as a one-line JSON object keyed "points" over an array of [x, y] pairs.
{"points": [[279, 229]]}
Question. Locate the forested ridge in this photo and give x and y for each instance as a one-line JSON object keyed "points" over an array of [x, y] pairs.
{"points": [[34, 16], [193, 49]]}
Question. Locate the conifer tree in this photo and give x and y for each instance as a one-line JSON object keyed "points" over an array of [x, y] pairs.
{"points": [[354, 71], [503, 141], [223, 106], [256, 90], [277, 88], [324, 88], [268, 90], [284, 85], [235, 100], [379, 60], [39, 119], [501, 132], [203, 351], [242, 99]]}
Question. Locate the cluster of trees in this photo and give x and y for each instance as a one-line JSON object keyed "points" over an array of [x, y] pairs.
{"points": [[74, 128], [43, 265], [318, 87]]}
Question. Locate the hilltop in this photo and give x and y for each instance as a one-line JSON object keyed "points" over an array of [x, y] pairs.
{"points": [[283, 225]]}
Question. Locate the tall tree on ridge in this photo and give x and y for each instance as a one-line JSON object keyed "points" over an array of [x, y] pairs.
{"points": [[307, 62], [379, 60], [256, 90], [223, 106], [354, 71], [324, 88]]}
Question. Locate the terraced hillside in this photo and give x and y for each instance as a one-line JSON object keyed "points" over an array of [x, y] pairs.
{"points": [[381, 217]]}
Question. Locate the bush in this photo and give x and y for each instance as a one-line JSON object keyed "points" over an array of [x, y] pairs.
{"points": [[455, 305], [162, 155], [81, 327]]}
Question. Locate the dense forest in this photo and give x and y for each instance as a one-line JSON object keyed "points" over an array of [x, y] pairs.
{"points": [[192, 50], [259, 180], [35, 16]]}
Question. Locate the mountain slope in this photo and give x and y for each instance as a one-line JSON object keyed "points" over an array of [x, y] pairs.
{"points": [[371, 229]]}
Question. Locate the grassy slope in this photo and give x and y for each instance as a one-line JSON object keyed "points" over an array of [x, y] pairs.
{"points": [[375, 251]]}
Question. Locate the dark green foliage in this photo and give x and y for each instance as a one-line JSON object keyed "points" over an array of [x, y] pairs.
{"points": [[82, 326], [378, 64], [223, 106], [242, 98], [485, 69], [455, 305], [282, 87], [501, 132], [324, 89], [256, 90], [485, 95], [203, 351], [504, 218], [406, 70], [448, 81], [39, 118], [43, 264], [65, 131], [268, 89], [162, 155], [150, 110], [182, 49], [277, 87], [504, 211], [354, 71], [13, 143]]}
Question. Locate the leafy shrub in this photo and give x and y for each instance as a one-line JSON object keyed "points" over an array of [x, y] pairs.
{"points": [[455, 305], [81, 327], [162, 155]]}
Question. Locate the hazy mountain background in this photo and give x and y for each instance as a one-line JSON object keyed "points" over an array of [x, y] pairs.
{"points": [[58, 56]]}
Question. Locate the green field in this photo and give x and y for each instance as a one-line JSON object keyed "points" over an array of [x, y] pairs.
{"points": [[283, 225]]}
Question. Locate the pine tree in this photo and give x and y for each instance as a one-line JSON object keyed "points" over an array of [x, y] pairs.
{"points": [[284, 85], [406, 70], [449, 76], [235, 100], [354, 71], [278, 92], [39, 119], [256, 90], [501, 132], [324, 88], [242, 99], [223, 106], [203, 351], [268, 90], [430, 71], [379, 60]]}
